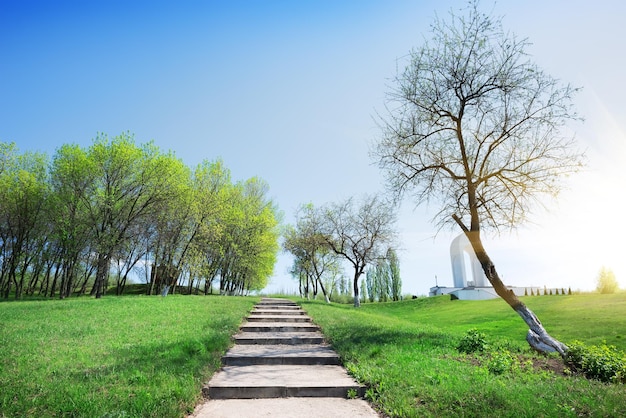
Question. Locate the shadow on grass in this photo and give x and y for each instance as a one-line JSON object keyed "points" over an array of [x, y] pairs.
{"points": [[156, 378]]}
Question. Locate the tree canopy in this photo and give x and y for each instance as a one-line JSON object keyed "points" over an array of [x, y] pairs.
{"points": [[72, 224]]}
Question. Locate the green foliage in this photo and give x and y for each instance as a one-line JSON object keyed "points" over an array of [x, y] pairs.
{"points": [[383, 279], [472, 341], [606, 283], [602, 362], [501, 361], [134, 356], [91, 215]]}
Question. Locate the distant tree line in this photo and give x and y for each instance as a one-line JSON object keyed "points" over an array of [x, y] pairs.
{"points": [[358, 233], [84, 220], [383, 281]]}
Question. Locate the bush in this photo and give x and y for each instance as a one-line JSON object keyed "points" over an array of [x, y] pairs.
{"points": [[502, 361], [603, 362], [472, 341], [606, 283]]}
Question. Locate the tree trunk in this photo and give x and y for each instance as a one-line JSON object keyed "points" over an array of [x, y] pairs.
{"points": [[101, 274], [537, 336], [355, 289]]}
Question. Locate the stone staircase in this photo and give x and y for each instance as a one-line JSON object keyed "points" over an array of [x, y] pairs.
{"points": [[280, 353]]}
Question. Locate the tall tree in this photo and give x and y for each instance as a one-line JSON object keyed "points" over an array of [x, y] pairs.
{"points": [[24, 191], [478, 128], [250, 238], [312, 256], [394, 274], [130, 182], [71, 176], [359, 232]]}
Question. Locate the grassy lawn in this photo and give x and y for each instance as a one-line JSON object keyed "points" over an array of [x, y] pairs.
{"points": [[132, 356], [406, 354]]}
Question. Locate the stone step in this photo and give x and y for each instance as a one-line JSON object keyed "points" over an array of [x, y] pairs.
{"points": [[278, 327], [278, 307], [235, 382], [246, 355], [275, 338], [285, 408], [278, 318], [277, 302], [287, 312]]}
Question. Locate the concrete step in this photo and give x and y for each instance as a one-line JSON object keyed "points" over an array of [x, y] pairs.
{"points": [[251, 382], [246, 355], [275, 338], [278, 327], [276, 312], [277, 302], [285, 408], [278, 318], [279, 307]]}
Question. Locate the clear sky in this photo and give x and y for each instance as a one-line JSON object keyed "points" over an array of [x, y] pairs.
{"points": [[288, 91]]}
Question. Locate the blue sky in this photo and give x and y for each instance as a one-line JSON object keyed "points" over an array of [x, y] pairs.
{"points": [[288, 91]]}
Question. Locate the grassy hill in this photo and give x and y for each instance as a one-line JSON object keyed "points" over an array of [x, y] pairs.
{"points": [[131, 356], [407, 354], [149, 356]]}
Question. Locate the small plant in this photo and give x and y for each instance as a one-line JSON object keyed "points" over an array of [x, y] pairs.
{"points": [[352, 394], [501, 362], [472, 341], [603, 362]]}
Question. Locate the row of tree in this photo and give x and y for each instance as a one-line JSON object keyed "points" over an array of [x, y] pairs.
{"points": [[383, 281], [90, 216], [358, 233]]}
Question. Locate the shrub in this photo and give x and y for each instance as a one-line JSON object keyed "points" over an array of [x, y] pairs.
{"points": [[603, 362], [472, 341], [606, 283], [502, 361]]}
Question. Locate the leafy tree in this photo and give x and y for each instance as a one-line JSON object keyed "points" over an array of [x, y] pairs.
{"points": [[606, 282], [212, 187], [477, 128], [250, 239], [24, 192], [71, 176], [394, 274], [358, 232], [129, 184]]}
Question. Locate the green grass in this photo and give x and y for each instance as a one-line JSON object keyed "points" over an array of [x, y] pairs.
{"points": [[133, 356], [405, 353], [139, 356]]}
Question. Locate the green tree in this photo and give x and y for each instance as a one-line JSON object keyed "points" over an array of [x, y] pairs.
{"points": [[212, 190], [250, 239], [476, 128], [24, 192], [394, 274], [71, 176], [129, 184], [606, 282]]}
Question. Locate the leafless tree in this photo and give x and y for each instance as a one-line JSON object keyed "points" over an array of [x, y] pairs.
{"points": [[474, 127], [359, 233]]}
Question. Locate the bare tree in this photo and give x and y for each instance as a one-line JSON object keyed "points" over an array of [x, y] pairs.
{"points": [[478, 129], [313, 259], [360, 233]]}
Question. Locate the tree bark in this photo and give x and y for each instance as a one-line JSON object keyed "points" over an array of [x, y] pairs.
{"points": [[537, 336], [355, 288]]}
